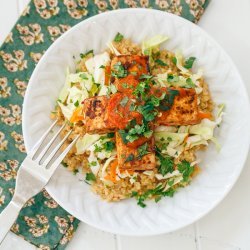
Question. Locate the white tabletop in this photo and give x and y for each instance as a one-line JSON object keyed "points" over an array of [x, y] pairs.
{"points": [[227, 227]]}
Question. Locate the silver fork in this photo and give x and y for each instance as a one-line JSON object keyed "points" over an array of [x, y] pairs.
{"points": [[33, 175]]}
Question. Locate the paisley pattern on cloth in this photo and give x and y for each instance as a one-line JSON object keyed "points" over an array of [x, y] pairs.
{"points": [[42, 221]]}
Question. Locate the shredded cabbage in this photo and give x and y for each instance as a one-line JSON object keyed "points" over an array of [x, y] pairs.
{"points": [[170, 143], [168, 175], [113, 49], [94, 163], [85, 142], [177, 180], [104, 173], [67, 111], [77, 88], [166, 129], [95, 65], [151, 43], [179, 62]]}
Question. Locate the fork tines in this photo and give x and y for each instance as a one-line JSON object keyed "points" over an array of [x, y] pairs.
{"points": [[44, 150]]}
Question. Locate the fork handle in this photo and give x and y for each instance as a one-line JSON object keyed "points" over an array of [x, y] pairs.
{"points": [[7, 218]]}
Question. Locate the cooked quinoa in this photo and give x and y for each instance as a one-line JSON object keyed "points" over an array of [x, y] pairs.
{"points": [[140, 184]]}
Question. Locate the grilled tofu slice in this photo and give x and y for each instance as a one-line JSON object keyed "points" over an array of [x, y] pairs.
{"points": [[95, 115], [133, 65], [128, 157], [184, 110]]}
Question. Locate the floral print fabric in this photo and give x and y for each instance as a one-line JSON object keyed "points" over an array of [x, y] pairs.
{"points": [[42, 221]]}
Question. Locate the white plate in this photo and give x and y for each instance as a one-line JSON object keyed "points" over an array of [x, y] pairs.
{"points": [[219, 170]]}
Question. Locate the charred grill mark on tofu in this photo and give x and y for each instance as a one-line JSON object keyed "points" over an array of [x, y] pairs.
{"points": [[95, 115], [94, 109]]}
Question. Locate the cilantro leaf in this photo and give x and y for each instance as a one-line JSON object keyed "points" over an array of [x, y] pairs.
{"points": [[157, 192], [90, 177], [148, 133], [131, 157], [76, 104], [123, 135], [64, 164], [83, 76], [142, 150], [75, 171], [160, 62], [168, 100], [186, 169], [118, 37], [190, 83], [189, 62], [109, 146], [119, 70], [174, 60], [111, 135], [173, 78], [166, 165], [145, 76], [87, 53]]}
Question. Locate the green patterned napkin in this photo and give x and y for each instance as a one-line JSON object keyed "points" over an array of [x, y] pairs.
{"points": [[42, 221]]}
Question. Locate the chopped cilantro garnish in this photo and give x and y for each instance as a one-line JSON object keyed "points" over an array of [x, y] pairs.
{"points": [[64, 164], [83, 76], [148, 133], [111, 135], [118, 37], [171, 182], [131, 157], [125, 85], [158, 193], [160, 62], [132, 137], [168, 100], [186, 169], [166, 165], [90, 177], [76, 104], [174, 60], [109, 146], [144, 76], [134, 73], [157, 198], [102, 67], [119, 70], [93, 163], [97, 148], [134, 194], [148, 111], [132, 107], [123, 135], [190, 83], [142, 150], [87, 53], [189, 62], [75, 171], [138, 129], [155, 101], [173, 78]]}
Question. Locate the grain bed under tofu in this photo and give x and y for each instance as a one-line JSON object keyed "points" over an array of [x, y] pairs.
{"points": [[146, 162], [183, 112], [95, 115]]}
